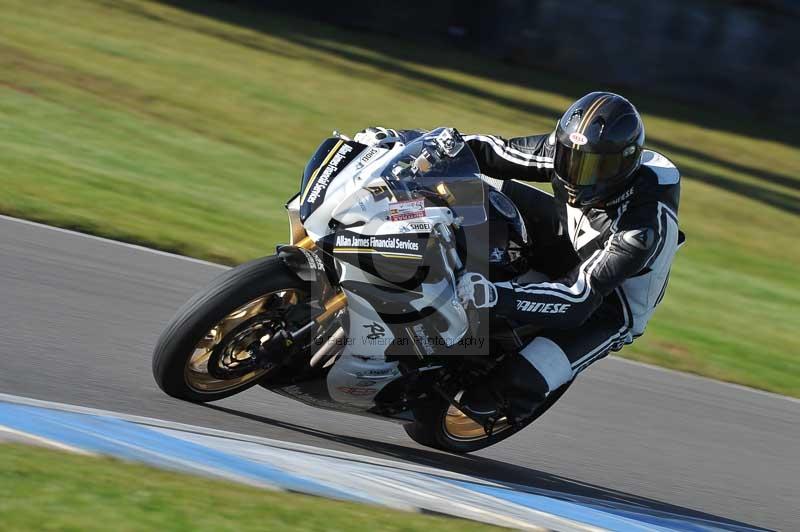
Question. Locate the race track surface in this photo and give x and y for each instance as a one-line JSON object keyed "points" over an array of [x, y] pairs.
{"points": [[79, 317]]}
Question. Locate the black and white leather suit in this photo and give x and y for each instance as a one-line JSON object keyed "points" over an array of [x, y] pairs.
{"points": [[621, 255], [607, 268]]}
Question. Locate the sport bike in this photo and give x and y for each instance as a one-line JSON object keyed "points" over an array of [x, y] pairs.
{"points": [[359, 312]]}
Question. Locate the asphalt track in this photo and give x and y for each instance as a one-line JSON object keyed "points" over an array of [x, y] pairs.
{"points": [[79, 317]]}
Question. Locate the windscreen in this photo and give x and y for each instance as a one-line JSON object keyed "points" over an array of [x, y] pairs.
{"points": [[439, 168]]}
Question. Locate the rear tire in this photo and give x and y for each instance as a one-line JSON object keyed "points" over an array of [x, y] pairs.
{"points": [[198, 317], [430, 428]]}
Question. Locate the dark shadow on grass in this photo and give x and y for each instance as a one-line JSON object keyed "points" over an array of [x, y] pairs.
{"points": [[767, 196], [762, 174], [509, 475], [255, 15], [310, 34]]}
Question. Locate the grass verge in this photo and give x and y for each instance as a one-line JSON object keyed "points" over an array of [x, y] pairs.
{"points": [[48, 490], [187, 128]]}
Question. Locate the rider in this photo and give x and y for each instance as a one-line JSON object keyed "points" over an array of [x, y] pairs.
{"points": [[608, 237]]}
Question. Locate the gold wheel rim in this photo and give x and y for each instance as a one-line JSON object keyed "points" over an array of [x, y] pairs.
{"points": [[458, 426], [196, 369]]}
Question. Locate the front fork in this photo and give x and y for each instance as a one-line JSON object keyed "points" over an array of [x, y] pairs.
{"points": [[303, 259], [333, 300]]}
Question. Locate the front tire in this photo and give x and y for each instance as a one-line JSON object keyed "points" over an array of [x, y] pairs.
{"points": [[200, 340]]}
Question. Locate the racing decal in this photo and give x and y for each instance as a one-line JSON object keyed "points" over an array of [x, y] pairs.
{"points": [[580, 228], [368, 157], [578, 139], [376, 330], [406, 210], [640, 238], [421, 340], [416, 227], [357, 392], [497, 255], [319, 181], [542, 308], [391, 246], [622, 197], [314, 262], [331, 157]]}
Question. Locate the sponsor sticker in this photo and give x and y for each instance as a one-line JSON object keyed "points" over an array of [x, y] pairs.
{"points": [[314, 262], [376, 330], [622, 197], [417, 227], [422, 338], [356, 392], [542, 308], [578, 139], [406, 210], [367, 157], [497, 255], [324, 178], [349, 241]]}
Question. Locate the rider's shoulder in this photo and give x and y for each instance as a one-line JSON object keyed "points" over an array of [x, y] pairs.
{"points": [[659, 169]]}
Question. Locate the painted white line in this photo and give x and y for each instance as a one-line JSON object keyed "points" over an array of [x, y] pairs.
{"points": [[474, 511], [691, 376], [111, 241], [43, 441]]}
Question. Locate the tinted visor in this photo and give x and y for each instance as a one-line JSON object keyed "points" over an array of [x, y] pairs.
{"points": [[582, 168]]}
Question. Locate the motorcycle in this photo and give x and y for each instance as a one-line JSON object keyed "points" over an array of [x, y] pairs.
{"points": [[359, 312]]}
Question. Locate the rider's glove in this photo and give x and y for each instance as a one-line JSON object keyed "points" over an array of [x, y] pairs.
{"points": [[374, 135], [476, 289]]}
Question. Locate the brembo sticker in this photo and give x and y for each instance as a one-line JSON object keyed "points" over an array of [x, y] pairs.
{"points": [[406, 210]]}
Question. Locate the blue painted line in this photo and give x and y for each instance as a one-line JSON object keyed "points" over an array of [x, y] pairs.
{"points": [[106, 435]]}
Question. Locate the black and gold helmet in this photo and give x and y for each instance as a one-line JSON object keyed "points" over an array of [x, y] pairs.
{"points": [[598, 149]]}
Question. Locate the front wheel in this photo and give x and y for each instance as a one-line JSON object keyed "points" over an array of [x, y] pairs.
{"points": [[443, 426], [208, 351]]}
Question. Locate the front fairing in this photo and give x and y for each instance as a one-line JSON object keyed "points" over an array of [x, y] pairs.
{"points": [[439, 169], [380, 214], [346, 182]]}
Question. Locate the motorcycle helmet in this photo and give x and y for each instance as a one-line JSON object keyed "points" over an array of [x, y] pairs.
{"points": [[598, 149]]}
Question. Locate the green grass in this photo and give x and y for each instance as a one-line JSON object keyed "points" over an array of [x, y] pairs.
{"points": [[48, 490], [187, 132]]}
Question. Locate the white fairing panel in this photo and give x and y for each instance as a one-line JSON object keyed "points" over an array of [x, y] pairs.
{"points": [[442, 295], [361, 371], [346, 189], [376, 226]]}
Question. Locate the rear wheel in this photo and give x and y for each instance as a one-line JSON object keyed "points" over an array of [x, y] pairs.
{"points": [[215, 346], [443, 426]]}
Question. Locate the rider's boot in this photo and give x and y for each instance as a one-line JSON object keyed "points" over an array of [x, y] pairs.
{"points": [[527, 378]]}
